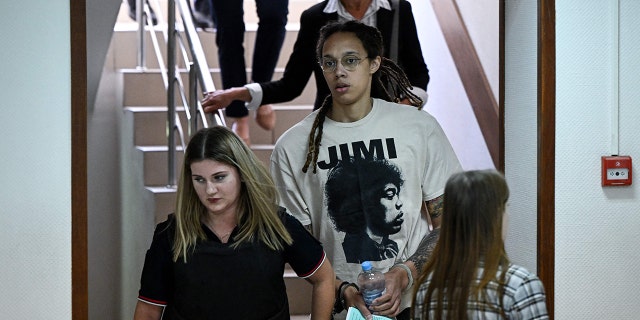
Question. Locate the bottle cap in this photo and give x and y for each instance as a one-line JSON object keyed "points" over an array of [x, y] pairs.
{"points": [[366, 266]]}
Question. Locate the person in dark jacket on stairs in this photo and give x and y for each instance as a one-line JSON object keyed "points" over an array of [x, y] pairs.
{"points": [[230, 29], [302, 61]]}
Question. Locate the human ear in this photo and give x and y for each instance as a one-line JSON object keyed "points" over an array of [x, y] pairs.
{"points": [[374, 65]]}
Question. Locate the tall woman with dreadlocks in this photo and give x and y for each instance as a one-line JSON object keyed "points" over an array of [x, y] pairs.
{"points": [[362, 119]]}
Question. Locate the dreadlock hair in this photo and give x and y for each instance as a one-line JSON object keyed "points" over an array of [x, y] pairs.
{"points": [[389, 83]]}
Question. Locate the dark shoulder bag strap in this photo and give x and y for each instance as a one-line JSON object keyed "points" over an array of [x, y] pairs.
{"points": [[393, 54], [393, 46]]}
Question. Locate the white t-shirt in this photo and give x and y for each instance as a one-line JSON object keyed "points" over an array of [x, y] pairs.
{"points": [[344, 202]]}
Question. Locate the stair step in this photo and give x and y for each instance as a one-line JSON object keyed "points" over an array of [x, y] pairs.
{"points": [[155, 164], [286, 116], [298, 292], [125, 46], [263, 152], [150, 124], [149, 130], [146, 87], [295, 9], [164, 199]]}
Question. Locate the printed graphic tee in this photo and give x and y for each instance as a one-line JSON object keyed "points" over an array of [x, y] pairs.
{"points": [[372, 177]]}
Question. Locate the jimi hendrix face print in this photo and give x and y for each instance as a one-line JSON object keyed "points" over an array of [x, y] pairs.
{"points": [[363, 201]]}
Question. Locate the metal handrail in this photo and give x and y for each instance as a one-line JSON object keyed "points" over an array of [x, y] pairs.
{"points": [[198, 70]]}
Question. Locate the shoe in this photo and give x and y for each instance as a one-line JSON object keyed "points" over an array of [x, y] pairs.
{"points": [[201, 21], [266, 117], [132, 15], [241, 128]]}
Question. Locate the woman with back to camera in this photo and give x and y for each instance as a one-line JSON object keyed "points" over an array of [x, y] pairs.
{"points": [[222, 254], [352, 122], [469, 275]]}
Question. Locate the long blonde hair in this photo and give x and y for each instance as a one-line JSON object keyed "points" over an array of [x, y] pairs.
{"points": [[258, 217], [470, 238]]}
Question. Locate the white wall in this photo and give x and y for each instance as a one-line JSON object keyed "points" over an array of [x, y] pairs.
{"points": [[596, 228], [449, 104], [35, 215], [482, 18], [448, 100], [104, 231], [101, 17], [520, 129]]}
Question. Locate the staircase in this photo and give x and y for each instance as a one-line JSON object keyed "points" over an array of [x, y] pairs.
{"points": [[144, 171]]}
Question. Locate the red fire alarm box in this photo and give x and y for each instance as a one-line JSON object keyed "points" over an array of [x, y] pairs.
{"points": [[616, 171]]}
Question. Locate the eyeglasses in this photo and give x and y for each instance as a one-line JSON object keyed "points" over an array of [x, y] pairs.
{"points": [[349, 62]]}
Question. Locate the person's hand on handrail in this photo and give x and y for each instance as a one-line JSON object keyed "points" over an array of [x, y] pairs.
{"points": [[219, 99]]}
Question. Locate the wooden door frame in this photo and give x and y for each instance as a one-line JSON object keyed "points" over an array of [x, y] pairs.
{"points": [[79, 252], [546, 147]]}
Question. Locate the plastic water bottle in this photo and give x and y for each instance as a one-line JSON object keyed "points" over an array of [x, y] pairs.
{"points": [[371, 283]]}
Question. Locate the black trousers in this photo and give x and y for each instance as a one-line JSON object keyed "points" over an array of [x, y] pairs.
{"points": [[229, 39]]}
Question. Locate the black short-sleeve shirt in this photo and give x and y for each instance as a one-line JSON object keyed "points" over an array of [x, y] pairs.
{"points": [[222, 282]]}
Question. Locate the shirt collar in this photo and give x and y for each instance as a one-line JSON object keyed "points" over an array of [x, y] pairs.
{"points": [[336, 6]]}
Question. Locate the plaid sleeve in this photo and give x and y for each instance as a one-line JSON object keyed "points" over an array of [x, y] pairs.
{"points": [[529, 300]]}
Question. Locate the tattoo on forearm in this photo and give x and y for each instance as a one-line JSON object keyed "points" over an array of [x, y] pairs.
{"points": [[435, 207], [425, 249], [428, 243]]}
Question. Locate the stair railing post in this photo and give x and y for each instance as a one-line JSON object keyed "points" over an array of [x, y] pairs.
{"points": [[193, 97], [140, 34], [171, 102]]}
